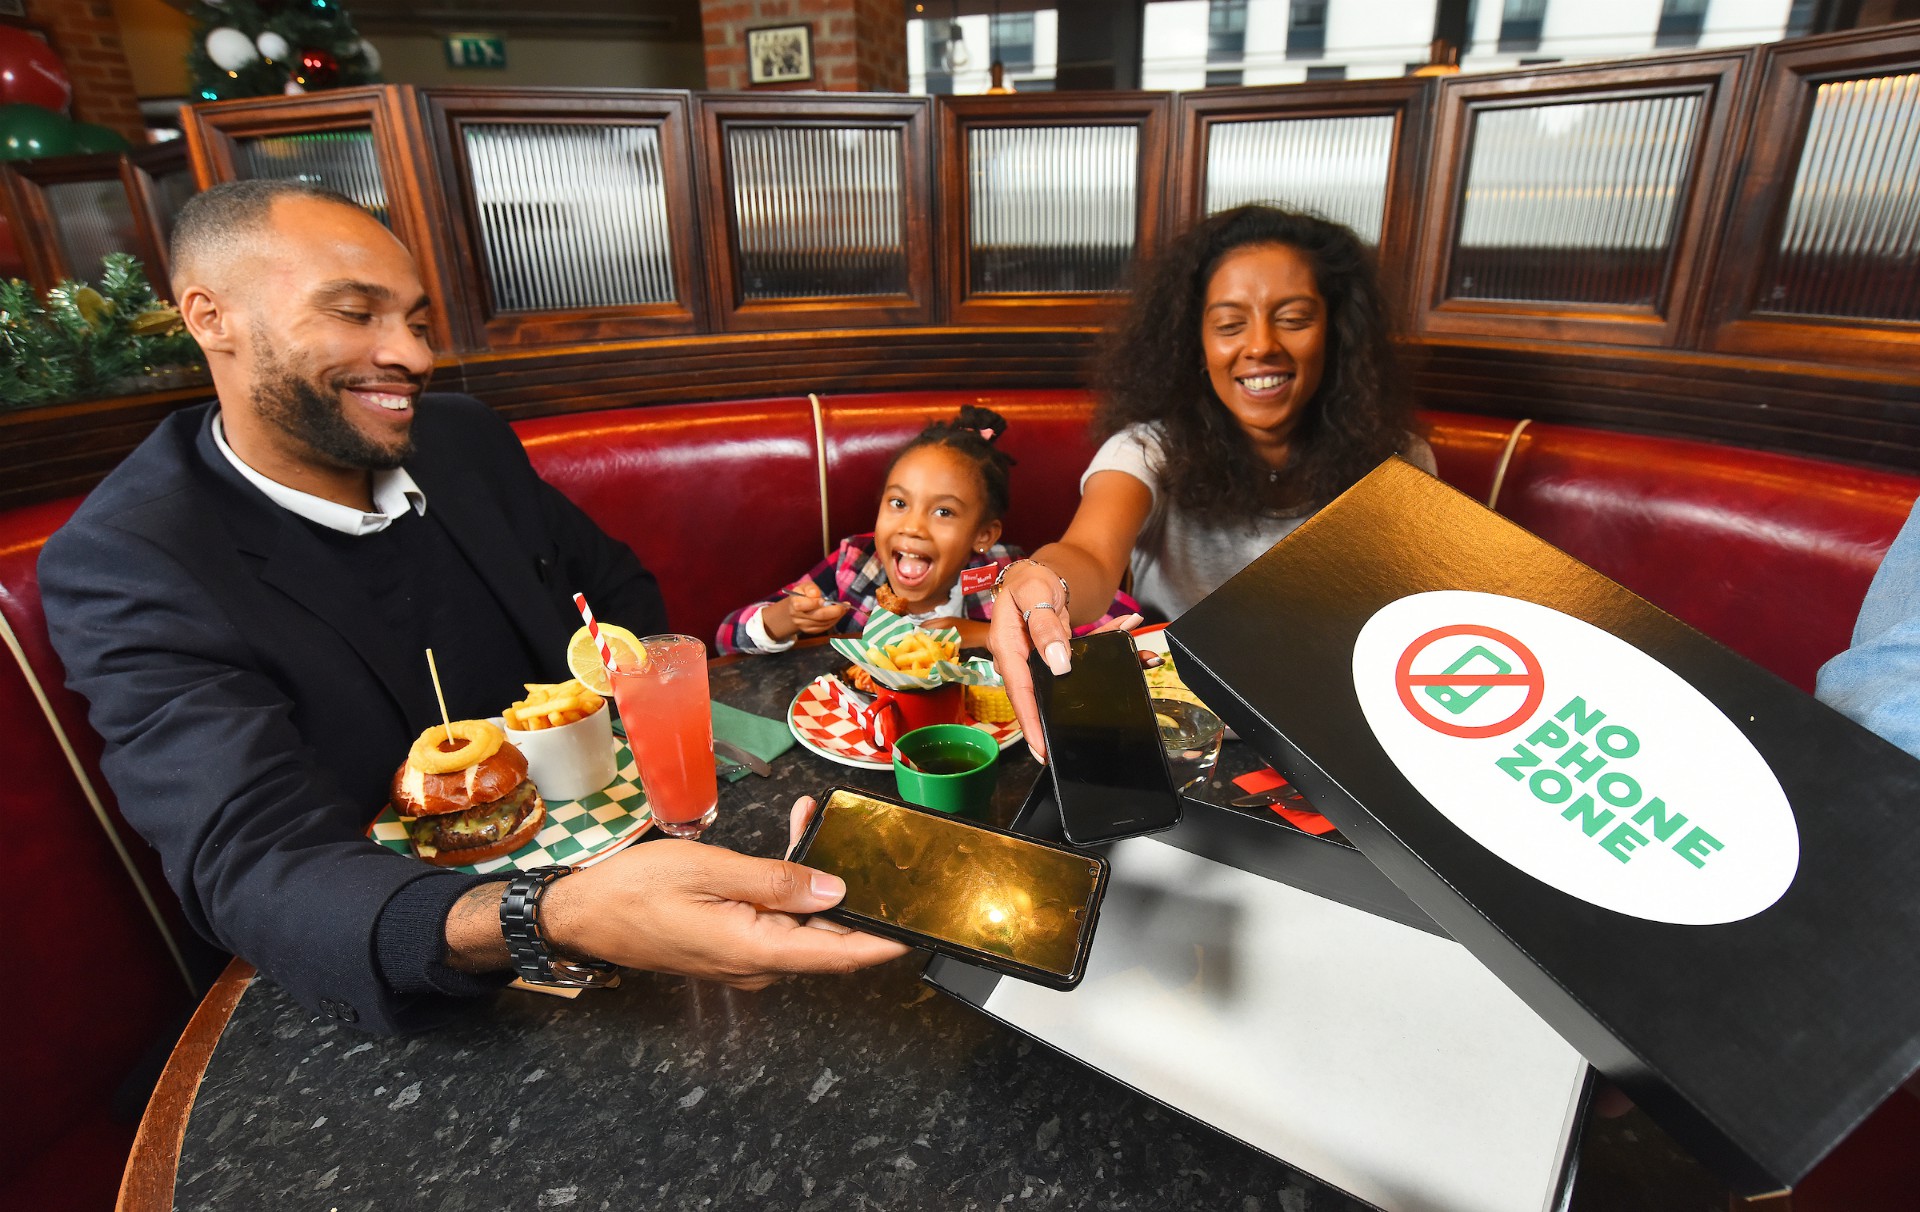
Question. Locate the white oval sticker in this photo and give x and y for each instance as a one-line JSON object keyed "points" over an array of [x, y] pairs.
{"points": [[1576, 757]]}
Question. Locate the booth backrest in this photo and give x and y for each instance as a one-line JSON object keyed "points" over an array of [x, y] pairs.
{"points": [[97, 980], [721, 501], [1768, 554]]}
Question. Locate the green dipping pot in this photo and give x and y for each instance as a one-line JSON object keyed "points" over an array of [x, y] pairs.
{"points": [[957, 768]]}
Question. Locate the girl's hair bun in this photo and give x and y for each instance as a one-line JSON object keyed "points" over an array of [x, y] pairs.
{"points": [[983, 421]]}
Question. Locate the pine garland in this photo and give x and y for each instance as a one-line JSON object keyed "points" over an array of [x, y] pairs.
{"points": [[85, 342], [300, 26]]}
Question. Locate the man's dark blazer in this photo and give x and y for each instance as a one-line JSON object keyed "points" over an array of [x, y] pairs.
{"points": [[253, 707]]}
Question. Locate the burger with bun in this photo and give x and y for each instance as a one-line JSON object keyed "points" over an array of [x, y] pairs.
{"points": [[464, 795]]}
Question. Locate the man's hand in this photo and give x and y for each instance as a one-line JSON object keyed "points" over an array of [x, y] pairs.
{"points": [[690, 909], [804, 611]]}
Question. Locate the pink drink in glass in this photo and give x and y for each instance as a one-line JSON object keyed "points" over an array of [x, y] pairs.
{"points": [[663, 706]]}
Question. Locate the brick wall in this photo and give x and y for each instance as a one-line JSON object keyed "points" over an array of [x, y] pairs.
{"points": [[858, 45], [86, 36]]}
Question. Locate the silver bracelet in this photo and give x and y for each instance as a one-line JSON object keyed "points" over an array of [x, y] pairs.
{"points": [[1066, 590]]}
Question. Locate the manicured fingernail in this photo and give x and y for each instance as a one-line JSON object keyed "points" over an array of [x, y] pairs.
{"points": [[1057, 658], [828, 887]]}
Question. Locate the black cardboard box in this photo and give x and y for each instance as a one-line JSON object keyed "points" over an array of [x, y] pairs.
{"points": [[1705, 880]]}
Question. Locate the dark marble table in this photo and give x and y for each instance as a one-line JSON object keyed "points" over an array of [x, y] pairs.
{"points": [[867, 1092]]}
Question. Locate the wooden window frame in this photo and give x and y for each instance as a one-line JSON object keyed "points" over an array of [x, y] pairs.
{"points": [[1408, 101], [449, 111], [1715, 77], [1789, 75], [911, 116], [36, 233], [391, 112], [1149, 113]]}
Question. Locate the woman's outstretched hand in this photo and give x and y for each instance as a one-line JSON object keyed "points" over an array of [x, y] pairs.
{"points": [[1029, 616]]}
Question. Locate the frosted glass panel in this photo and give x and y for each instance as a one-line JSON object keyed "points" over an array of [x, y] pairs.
{"points": [[571, 215], [1574, 203], [342, 160], [818, 212], [1851, 242], [171, 192], [1336, 167], [1055, 209], [92, 219]]}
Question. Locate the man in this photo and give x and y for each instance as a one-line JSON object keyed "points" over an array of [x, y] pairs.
{"points": [[1876, 681], [245, 600]]}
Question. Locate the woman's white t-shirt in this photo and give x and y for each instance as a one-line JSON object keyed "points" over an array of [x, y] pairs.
{"points": [[1178, 560]]}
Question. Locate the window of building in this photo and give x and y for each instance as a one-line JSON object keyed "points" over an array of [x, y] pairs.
{"points": [[1226, 31], [1327, 71], [1231, 77], [1011, 36], [1520, 24], [1680, 22], [1306, 29], [939, 75]]}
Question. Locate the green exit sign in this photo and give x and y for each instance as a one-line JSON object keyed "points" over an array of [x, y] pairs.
{"points": [[476, 50]]}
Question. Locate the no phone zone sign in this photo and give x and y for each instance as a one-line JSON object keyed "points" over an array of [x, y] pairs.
{"points": [[1575, 756]]}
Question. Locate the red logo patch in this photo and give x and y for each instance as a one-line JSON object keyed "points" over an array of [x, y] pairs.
{"points": [[973, 580]]}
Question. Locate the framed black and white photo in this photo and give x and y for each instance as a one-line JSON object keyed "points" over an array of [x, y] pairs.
{"points": [[780, 54]]}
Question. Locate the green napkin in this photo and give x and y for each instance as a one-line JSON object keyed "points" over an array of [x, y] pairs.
{"points": [[764, 738]]}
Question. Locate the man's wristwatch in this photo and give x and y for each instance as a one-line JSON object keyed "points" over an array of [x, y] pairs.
{"points": [[534, 959]]}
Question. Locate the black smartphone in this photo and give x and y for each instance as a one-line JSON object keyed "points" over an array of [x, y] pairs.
{"points": [[1110, 773], [979, 894]]}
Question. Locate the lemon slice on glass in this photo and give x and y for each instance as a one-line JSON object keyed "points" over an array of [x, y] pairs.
{"points": [[583, 655]]}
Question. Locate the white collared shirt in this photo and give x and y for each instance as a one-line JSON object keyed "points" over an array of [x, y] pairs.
{"points": [[394, 492]]}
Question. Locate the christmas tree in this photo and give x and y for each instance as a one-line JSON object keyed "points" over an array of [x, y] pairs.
{"points": [[264, 48]]}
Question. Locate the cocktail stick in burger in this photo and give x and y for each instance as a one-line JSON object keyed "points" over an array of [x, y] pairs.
{"points": [[464, 795]]}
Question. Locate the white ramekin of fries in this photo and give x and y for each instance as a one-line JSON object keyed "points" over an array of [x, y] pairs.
{"points": [[565, 732]]}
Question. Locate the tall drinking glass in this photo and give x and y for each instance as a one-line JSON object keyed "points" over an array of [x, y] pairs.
{"points": [[663, 705]]}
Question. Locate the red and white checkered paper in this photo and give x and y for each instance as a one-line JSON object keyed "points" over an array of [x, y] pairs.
{"points": [[819, 721]]}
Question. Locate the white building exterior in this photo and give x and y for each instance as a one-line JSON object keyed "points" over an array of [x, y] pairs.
{"points": [[1364, 39]]}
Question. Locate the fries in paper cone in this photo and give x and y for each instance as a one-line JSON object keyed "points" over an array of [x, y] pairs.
{"points": [[901, 656]]}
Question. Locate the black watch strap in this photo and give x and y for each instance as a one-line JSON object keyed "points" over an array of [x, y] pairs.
{"points": [[534, 959]]}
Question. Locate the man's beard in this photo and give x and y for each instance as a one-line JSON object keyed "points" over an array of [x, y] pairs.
{"points": [[318, 421]]}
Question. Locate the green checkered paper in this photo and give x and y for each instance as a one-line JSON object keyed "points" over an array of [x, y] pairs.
{"points": [[576, 830], [884, 627]]}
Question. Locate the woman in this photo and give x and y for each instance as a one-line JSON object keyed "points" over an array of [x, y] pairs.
{"points": [[1250, 382]]}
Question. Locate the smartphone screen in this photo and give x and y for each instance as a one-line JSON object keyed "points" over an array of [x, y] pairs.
{"points": [[1103, 745], [967, 889]]}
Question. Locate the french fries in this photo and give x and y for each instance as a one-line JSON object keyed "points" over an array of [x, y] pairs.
{"points": [[914, 654], [552, 706]]}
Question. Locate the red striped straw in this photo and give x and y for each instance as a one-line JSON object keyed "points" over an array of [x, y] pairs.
{"points": [[593, 629]]}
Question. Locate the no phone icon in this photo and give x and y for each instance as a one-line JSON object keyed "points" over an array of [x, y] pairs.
{"points": [[1467, 671]]}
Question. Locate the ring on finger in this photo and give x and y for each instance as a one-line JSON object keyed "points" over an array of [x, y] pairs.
{"points": [[1027, 614]]}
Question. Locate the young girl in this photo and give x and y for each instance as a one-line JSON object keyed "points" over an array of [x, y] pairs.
{"points": [[933, 555]]}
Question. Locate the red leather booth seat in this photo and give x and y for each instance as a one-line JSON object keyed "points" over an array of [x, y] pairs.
{"points": [[1770, 555]]}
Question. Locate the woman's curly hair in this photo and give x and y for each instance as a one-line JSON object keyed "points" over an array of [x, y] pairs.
{"points": [[1152, 368]]}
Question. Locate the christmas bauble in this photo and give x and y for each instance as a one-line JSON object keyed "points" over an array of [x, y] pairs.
{"points": [[371, 55], [272, 46], [230, 49], [30, 73], [92, 137], [28, 132], [293, 88], [318, 68]]}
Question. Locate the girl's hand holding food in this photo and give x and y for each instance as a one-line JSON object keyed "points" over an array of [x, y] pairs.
{"points": [[804, 611]]}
